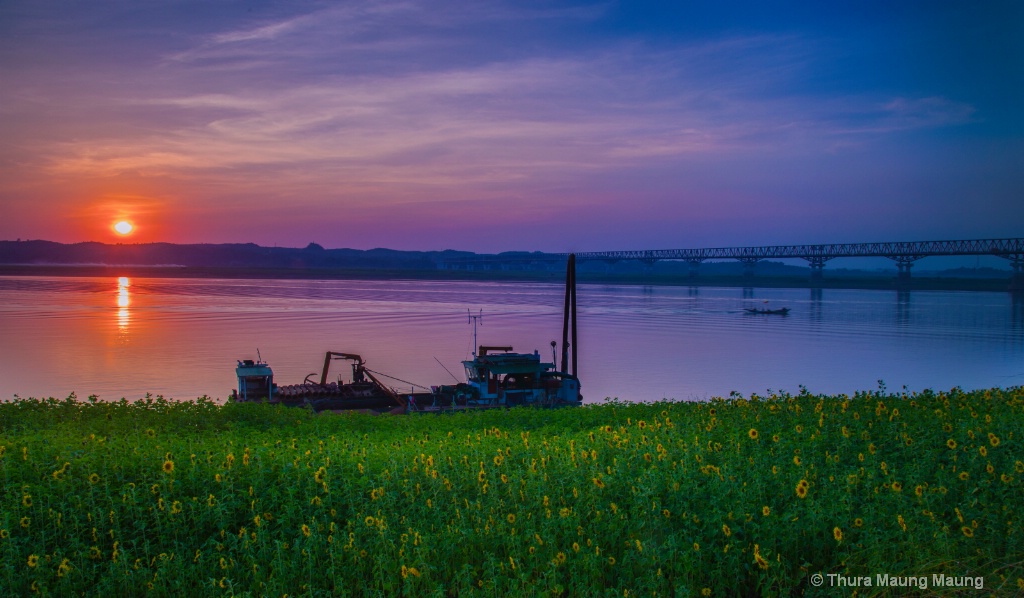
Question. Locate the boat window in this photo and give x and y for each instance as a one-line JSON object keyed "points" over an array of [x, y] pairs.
{"points": [[473, 375]]}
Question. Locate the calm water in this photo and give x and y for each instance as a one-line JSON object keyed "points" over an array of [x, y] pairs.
{"points": [[180, 337]]}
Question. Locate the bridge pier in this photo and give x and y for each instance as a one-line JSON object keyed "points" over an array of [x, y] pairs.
{"points": [[748, 265], [903, 264], [694, 266], [648, 267], [817, 263], [1017, 278]]}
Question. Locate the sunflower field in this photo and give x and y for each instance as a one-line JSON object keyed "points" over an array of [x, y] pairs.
{"points": [[740, 496]]}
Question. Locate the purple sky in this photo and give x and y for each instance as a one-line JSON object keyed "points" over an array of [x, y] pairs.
{"points": [[494, 126]]}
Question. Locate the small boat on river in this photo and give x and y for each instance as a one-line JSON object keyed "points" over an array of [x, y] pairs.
{"points": [[784, 311]]}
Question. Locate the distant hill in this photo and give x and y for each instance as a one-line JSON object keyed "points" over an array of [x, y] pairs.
{"points": [[229, 255]]}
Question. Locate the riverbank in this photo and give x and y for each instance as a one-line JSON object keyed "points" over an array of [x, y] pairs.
{"points": [[748, 496], [863, 281]]}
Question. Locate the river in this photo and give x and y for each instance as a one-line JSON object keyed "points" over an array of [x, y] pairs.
{"points": [[180, 338]]}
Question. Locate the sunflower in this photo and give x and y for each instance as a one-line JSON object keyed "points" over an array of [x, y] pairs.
{"points": [[964, 475], [902, 522], [967, 531], [752, 433], [766, 511], [64, 568], [511, 518], [305, 530], [726, 530], [599, 482], [993, 439], [951, 444], [33, 560], [983, 451], [319, 475], [666, 513], [897, 487], [25, 522], [611, 561], [761, 562], [801, 489], [168, 466], [837, 534], [696, 547], [94, 479], [858, 522]]}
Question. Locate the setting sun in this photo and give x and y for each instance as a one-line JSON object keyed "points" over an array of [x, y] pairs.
{"points": [[123, 227]]}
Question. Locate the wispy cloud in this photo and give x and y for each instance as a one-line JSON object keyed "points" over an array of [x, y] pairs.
{"points": [[386, 102], [509, 120]]}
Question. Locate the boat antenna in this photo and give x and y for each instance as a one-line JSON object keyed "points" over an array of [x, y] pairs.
{"points": [[477, 319], [258, 356], [446, 369]]}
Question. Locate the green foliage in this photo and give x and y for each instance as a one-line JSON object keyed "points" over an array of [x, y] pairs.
{"points": [[739, 496]]}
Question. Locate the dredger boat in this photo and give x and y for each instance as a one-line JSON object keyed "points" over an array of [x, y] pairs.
{"points": [[495, 377]]}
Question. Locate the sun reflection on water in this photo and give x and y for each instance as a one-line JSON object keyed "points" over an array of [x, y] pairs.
{"points": [[123, 301]]}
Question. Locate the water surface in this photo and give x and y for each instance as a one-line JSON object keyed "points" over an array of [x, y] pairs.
{"points": [[120, 337]]}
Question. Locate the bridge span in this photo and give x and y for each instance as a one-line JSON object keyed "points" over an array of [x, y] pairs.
{"points": [[904, 253]]}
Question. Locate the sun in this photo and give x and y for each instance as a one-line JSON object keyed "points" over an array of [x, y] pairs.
{"points": [[124, 227]]}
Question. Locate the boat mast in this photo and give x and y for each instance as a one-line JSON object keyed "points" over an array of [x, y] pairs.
{"points": [[569, 312], [479, 318]]}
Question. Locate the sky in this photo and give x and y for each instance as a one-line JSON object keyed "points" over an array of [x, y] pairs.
{"points": [[511, 126]]}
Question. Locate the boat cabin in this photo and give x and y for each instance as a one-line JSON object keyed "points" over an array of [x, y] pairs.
{"points": [[519, 379], [255, 381]]}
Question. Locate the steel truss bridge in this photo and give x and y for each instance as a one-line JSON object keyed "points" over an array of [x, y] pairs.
{"points": [[904, 253]]}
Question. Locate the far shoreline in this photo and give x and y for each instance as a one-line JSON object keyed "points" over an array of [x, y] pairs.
{"points": [[864, 282]]}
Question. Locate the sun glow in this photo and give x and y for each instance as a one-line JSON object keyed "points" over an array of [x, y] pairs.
{"points": [[124, 227]]}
